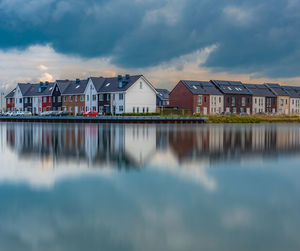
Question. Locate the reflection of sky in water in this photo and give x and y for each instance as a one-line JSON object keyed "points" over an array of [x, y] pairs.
{"points": [[117, 187]]}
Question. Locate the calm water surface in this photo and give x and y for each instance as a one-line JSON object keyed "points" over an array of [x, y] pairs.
{"points": [[149, 187]]}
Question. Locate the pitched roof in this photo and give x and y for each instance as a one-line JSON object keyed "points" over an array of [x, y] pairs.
{"points": [[293, 91], [11, 94], [75, 87], [231, 87], [260, 90], [62, 84], [277, 89], [201, 87], [112, 84], [163, 94], [98, 82], [24, 87]]}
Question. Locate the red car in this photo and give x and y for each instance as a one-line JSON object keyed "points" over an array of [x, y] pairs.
{"points": [[90, 114]]}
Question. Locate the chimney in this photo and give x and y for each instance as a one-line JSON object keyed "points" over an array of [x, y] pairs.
{"points": [[120, 81], [127, 76]]}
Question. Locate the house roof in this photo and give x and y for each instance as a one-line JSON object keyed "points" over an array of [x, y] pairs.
{"points": [[98, 82], [11, 94], [293, 91], [24, 88], [163, 94], [62, 85], [231, 87], [260, 90], [112, 84], [277, 89], [201, 87], [75, 87]]}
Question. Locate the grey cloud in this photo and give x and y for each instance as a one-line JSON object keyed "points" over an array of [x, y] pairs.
{"points": [[252, 36]]}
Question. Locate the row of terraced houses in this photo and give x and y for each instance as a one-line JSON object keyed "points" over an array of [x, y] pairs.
{"points": [[135, 94], [130, 94], [234, 97]]}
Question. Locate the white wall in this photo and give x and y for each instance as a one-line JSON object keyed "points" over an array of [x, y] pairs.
{"points": [[89, 92], [18, 95], [37, 105], [137, 97], [117, 102], [216, 104], [295, 106], [258, 104]]}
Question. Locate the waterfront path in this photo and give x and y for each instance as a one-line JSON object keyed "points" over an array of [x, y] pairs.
{"points": [[107, 119]]}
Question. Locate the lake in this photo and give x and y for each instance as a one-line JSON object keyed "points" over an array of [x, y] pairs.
{"points": [[149, 187]]}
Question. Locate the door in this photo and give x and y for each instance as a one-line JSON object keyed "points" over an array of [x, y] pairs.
{"points": [[76, 110], [205, 110], [248, 110]]}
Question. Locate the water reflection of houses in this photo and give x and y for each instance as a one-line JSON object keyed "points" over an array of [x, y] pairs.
{"points": [[227, 142], [122, 146], [134, 146]]}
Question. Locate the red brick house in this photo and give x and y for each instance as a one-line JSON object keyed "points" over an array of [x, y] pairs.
{"points": [[195, 96], [10, 101]]}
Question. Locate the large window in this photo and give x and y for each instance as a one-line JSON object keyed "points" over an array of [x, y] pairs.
{"points": [[121, 108], [101, 97], [45, 99], [94, 97], [82, 98], [197, 109], [233, 101], [71, 98], [121, 96], [243, 101], [199, 100], [76, 98], [21, 101]]}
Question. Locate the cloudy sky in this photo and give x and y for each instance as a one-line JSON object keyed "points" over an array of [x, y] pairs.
{"points": [[166, 40]]}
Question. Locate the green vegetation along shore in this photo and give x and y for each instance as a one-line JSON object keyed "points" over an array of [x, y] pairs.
{"points": [[252, 119]]}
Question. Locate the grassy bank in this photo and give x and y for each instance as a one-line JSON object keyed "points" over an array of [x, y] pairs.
{"points": [[252, 119]]}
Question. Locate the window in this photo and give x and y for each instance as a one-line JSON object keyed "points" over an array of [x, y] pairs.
{"points": [[21, 101], [26, 100], [45, 99], [94, 97], [59, 99], [121, 96], [243, 101], [82, 109], [82, 98], [281, 102], [143, 109], [242, 110], [87, 97], [113, 97], [121, 108], [255, 100], [101, 97], [133, 109], [107, 97], [137, 109], [94, 108], [197, 109], [233, 101], [220, 99], [147, 109], [71, 98], [234, 110], [71, 108], [199, 100], [65, 98], [56, 88], [76, 98], [204, 99], [53, 99], [286, 101], [141, 85], [101, 109], [8, 101]]}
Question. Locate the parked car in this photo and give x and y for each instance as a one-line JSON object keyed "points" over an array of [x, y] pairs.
{"points": [[63, 113], [19, 113], [90, 114], [47, 113], [27, 113]]}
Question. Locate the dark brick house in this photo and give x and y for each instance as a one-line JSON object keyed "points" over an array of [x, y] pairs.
{"points": [[237, 97], [194, 96]]}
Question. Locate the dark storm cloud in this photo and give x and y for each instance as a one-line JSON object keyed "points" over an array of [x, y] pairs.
{"points": [[252, 36]]}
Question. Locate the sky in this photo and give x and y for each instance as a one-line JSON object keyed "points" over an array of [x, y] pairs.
{"points": [[166, 40]]}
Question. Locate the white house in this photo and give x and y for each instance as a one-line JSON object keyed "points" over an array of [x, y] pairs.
{"points": [[122, 94]]}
